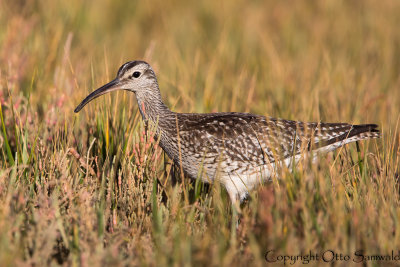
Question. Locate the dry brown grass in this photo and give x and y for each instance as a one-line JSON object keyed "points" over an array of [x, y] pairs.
{"points": [[94, 189]]}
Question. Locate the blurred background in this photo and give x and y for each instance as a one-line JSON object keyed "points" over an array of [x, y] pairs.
{"points": [[83, 189], [328, 60]]}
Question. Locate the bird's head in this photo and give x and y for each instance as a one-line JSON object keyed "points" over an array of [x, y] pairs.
{"points": [[135, 76]]}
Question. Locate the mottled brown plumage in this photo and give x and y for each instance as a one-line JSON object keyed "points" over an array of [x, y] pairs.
{"points": [[239, 149]]}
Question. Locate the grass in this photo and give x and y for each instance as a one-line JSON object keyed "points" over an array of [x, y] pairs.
{"points": [[95, 188]]}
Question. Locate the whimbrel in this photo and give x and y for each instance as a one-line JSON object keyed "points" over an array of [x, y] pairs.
{"points": [[239, 149]]}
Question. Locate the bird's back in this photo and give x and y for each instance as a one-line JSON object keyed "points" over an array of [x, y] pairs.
{"points": [[236, 143]]}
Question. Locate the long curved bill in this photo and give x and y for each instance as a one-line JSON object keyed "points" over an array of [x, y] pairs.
{"points": [[109, 87]]}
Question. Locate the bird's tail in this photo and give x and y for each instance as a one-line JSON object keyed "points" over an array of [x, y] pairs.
{"points": [[364, 131], [341, 134]]}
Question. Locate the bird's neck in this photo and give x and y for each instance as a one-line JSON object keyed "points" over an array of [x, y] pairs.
{"points": [[159, 118], [151, 106]]}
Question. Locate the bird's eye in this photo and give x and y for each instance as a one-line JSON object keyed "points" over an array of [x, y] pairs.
{"points": [[136, 74]]}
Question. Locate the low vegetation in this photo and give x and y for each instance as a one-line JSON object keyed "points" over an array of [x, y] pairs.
{"points": [[94, 188]]}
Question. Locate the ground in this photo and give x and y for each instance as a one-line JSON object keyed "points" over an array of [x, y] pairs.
{"points": [[94, 189]]}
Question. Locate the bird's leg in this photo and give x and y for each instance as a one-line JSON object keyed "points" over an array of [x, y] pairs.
{"points": [[172, 174], [235, 206], [235, 217]]}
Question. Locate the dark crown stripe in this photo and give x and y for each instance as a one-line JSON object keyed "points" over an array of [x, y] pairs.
{"points": [[128, 65]]}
